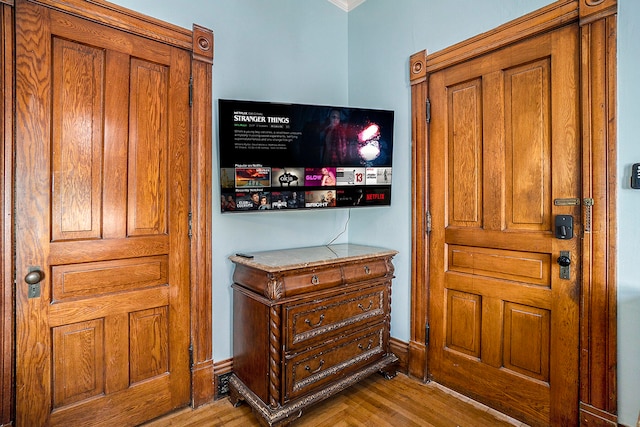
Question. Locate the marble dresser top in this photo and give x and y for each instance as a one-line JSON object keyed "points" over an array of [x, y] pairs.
{"points": [[288, 259]]}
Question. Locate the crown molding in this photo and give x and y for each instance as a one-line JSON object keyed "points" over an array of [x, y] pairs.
{"points": [[347, 5]]}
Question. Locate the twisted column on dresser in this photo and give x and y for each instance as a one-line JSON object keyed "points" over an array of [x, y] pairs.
{"points": [[274, 356], [274, 291], [387, 309]]}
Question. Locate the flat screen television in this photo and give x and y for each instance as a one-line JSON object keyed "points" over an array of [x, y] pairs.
{"points": [[277, 156]]}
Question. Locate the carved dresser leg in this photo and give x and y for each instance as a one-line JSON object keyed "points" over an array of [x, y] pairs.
{"points": [[235, 398]]}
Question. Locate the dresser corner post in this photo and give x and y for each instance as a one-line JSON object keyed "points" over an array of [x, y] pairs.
{"points": [[275, 359]]}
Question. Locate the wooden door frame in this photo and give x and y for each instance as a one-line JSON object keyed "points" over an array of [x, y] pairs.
{"points": [[199, 42], [7, 300], [598, 311]]}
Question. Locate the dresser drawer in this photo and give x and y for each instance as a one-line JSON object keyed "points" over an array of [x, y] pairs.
{"points": [[323, 318], [366, 270], [311, 280], [319, 366]]}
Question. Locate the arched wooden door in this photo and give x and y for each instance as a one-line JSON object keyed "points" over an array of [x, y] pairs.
{"points": [[102, 222]]}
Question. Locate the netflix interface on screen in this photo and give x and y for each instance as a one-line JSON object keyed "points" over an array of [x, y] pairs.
{"points": [[276, 156]]}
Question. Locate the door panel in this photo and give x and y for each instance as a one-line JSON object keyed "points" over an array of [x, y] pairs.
{"points": [[503, 147], [102, 202], [76, 146], [527, 144], [148, 138]]}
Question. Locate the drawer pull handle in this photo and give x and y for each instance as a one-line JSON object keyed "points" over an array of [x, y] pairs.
{"points": [[361, 347], [361, 307], [308, 322], [315, 280], [367, 270], [308, 368]]}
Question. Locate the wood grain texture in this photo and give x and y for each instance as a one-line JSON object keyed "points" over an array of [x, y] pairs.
{"points": [[417, 356], [148, 149], [463, 325], [592, 10], [598, 335], [465, 154], [598, 87], [78, 354], [79, 91], [111, 323], [148, 343], [6, 212], [101, 278], [498, 311], [528, 146], [375, 401], [31, 102], [202, 369]]}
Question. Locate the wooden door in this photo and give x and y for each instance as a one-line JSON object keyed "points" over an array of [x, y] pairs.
{"points": [[504, 162], [102, 202]]}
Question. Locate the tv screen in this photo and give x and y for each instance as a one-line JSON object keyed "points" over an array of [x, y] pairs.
{"points": [[276, 156]]}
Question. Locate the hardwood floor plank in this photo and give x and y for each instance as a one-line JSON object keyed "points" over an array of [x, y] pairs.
{"points": [[375, 401]]}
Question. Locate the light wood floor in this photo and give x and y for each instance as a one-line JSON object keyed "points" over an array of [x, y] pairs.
{"points": [[399, 402]]}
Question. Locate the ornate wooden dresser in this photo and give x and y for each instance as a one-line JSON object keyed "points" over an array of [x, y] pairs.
{"points": [[307, 323]]}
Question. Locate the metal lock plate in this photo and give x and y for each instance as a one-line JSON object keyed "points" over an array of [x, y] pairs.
{"points": [[565, 270]]}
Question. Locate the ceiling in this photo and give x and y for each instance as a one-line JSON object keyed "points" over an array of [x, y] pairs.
{"points": [[347, 5]]}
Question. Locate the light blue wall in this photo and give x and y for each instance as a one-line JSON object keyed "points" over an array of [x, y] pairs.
{"points": [[310, 51], [628, 212]]}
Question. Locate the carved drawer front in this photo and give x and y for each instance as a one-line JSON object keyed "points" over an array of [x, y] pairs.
{"points": [[319, 366], [365, 270], [311, 280], [320, 319]]}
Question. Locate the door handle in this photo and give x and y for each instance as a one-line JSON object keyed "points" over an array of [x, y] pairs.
{"points": [[33, 279], [34, 276], [564, 261]]}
